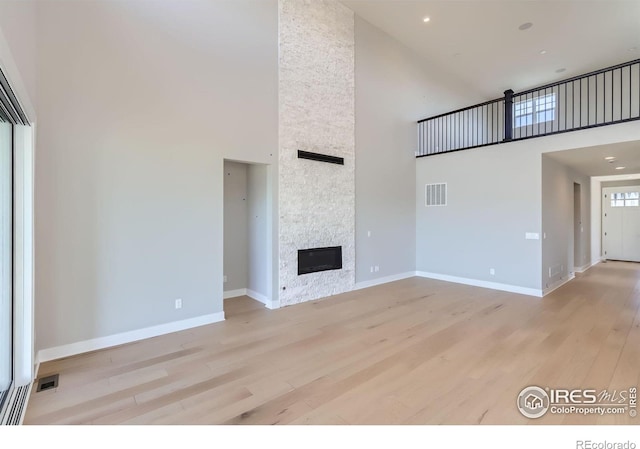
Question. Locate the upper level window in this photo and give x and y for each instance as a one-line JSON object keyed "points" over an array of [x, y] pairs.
{"points": [[536, 110], [628, 199]]}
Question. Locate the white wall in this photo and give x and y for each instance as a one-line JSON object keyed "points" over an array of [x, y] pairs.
{"points": [[18, 50], [394, 89], [236, 227], [139, 103], [495, 197], [258, 229], [628, 183]]}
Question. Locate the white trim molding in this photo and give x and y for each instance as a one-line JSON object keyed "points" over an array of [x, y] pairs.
{"points": [[586, 267], [558, 284], [58, 352], [263, 299], [253, 295], [484, 284], [23, 256], [234, 293], [384, 280]]}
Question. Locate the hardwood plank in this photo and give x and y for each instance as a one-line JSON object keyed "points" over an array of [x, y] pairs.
{"points": [[415, 351]]}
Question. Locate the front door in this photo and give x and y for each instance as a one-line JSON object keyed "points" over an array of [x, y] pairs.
{"points": [[621, 223]]}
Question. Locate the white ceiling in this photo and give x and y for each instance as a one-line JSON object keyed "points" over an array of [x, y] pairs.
{"points": [[479, 43], [591, 160]]}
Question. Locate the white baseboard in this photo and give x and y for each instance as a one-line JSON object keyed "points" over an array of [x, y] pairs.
{"points": [[558, 284], [384, 280], [483, 284], [58, 352], [584, 268], [263, 299], [253, 295], [234, 293], [587, 266]]}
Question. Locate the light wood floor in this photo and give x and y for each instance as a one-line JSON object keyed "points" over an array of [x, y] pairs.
{"points": [[415, 351]]}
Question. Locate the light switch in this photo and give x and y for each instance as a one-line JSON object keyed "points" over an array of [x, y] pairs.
{"points": [[532, 236]]}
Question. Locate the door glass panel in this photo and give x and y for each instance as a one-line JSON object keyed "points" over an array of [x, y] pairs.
{"points": [[6, 260]]}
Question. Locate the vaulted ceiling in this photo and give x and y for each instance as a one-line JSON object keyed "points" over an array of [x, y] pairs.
{"points": [[480, 43]]}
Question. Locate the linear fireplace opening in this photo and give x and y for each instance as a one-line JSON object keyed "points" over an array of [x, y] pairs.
{"points": [[319, 259]]}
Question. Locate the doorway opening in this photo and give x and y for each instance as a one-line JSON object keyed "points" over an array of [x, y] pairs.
{"points": [[621, 222], [577, 227], [247, 238]]}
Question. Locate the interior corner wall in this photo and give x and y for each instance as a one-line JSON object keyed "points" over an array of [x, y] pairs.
{"points": [[139, 103], [258, 226], [236, 226], [394, 89], [316, 91], [558, 222]]}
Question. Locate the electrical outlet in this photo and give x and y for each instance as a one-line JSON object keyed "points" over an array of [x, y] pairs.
{"points": [[224, 278], [178, 303], [377, 268], [492, 271], [368, 233]]}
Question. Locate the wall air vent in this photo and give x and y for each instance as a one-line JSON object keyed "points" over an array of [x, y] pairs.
{"points": [[435, 194]]}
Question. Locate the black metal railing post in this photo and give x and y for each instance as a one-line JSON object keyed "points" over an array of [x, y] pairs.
{"points": [[508, 115]]}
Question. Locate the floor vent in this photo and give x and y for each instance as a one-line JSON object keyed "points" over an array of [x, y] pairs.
{"points": [[47, 383], [17, 406]]}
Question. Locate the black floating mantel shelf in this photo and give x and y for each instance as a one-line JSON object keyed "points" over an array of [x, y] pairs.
{"points": [[320, 157]]}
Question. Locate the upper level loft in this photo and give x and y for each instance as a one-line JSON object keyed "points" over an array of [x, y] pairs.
{"points": [[603, 97]]}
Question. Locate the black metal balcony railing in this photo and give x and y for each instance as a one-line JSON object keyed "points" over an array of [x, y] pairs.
{"points": [[599, 98]]}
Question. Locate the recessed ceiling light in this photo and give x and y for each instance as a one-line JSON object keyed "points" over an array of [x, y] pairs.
{"points": [[560, 70], [620, 168], [542, 52], [426, 19], [525, 26], [609, 158]]}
